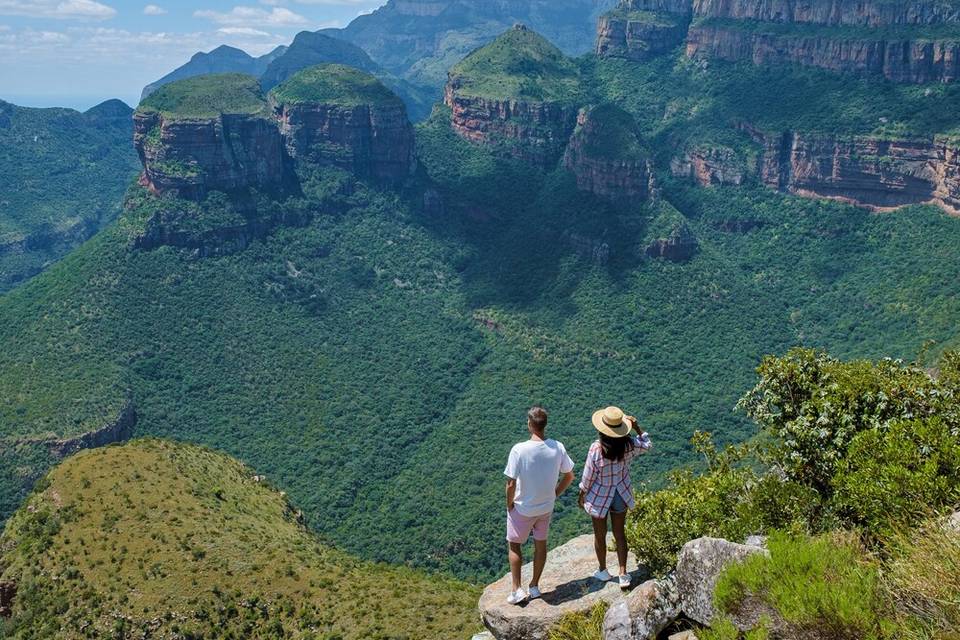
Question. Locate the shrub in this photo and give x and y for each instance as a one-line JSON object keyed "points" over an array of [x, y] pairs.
{"points": [[826, 584], [894, 478]]}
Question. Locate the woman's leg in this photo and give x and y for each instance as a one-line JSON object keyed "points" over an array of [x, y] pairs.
{"points": [[618, 520], [600, 541]]}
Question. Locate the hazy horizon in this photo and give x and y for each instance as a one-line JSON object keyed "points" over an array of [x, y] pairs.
{"points": [[78, 53]]}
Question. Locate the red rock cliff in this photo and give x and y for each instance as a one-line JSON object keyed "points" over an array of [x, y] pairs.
{"points": [[535, 132], [863, 170], [641, 29], [596, 157], [374, 141], [192, 157]]}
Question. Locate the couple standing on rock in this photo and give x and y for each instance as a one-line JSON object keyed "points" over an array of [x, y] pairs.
{"points": [[539, 470]]}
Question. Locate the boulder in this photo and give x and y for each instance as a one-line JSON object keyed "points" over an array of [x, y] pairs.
{"points": [[644, 613], [567, 586], [698, 566], [486, 635]]}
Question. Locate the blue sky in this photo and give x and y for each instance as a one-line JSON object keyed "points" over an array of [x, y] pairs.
{"points": [[77, 53]]}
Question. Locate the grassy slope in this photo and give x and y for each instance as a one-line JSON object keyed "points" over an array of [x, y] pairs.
{"points": [[207, 97], [519, 64], [180, 535], [62, 175], [333, 84]]}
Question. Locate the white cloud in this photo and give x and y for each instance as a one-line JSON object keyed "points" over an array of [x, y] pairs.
{"points": [[60, 9], [153, 10], [253, 17], [244, 31]]}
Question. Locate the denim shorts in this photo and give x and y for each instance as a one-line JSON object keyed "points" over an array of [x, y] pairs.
{"points": [[618, 505]]}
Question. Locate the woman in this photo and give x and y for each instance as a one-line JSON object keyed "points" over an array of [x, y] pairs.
{"points": [[605, 487]]}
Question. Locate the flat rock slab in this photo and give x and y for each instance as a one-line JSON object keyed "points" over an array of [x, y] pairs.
{"points": [[567, 586]]}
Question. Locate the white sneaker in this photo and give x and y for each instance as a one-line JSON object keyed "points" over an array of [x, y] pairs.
{"points": [[624, 580], [517, 597], [533, 592], [602, 576]]}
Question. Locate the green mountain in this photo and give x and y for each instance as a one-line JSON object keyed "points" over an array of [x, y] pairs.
{"points": [[174, 540], [223, 59], [420, 40], [519, 64], [374, 350], [62, 176]]}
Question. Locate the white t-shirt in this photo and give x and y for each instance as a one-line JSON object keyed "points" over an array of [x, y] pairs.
{"points": [[536, 466]]}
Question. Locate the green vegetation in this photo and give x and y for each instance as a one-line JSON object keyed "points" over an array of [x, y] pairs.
{"points": [[207, 96], [62, 178], [519, 64], [577, 626], [654, 18], [171, 539], [333, 84], [865, 446], [830, 586], [611, 133]]}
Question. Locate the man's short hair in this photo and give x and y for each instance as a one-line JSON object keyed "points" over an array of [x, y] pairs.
{"points": [[537, 416]]}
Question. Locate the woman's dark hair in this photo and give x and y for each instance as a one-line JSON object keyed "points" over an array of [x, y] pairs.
{"points": [[615, 448]]}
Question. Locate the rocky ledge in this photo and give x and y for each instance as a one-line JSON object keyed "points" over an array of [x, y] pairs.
{"points": [[606, 156], [639, 613], [710, 165], [567, 585], [869, 171]]}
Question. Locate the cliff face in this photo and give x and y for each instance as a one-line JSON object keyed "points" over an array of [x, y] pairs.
{"points": [[604, 156], [863, 170], [710, 165], [193, 156], [535, 132], [899, 60], [641, 29], [871, 13], [374, 141]]}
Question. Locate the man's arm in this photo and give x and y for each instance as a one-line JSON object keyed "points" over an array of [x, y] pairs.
{"points": [[511, 492], [565, 481]]}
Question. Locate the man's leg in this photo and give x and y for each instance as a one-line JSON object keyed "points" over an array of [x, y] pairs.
{"points": [[600, 541], [539, 561], [515, 554]]}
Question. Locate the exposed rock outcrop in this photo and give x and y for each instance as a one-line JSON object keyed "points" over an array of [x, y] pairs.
{"points": [[606, 157], [362, 127], [864, 170], [871, 13], [641, 29], [121, 428], [669, 236], [699, 564], [907, 60], [189, 148], [567, 586], [710, 165], [8, 591], [643, 614], [517, 95]]}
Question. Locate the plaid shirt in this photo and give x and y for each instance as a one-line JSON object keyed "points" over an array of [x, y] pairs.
{"points": [[603, 478]]}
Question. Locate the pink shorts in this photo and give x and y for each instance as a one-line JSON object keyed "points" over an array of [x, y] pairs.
{"points": [[520, 526]]}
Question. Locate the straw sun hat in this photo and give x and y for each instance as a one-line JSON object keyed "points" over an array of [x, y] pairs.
{"points": [[611, 422]]}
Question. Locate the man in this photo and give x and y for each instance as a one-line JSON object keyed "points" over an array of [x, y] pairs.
{"points": [[533, 470]]}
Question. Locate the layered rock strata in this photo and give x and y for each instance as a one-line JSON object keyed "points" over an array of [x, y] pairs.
{"points": [[605, 158], [864, 170], [372, 141], [193, 156], [535, 132], [641, 29]]}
